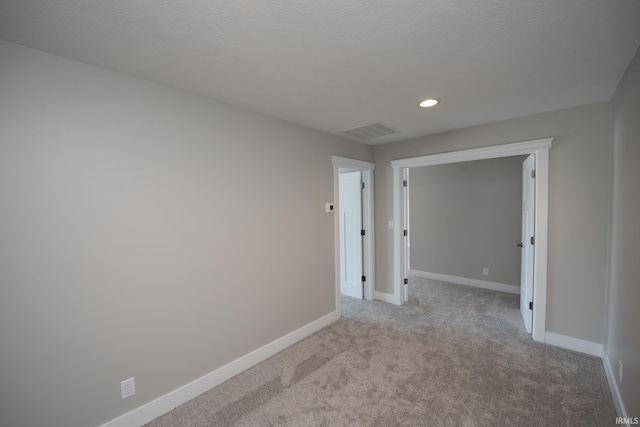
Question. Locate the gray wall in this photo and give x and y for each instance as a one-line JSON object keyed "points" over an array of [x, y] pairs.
{"points": [[623, 317], [467, 216], [578, 206], [147, 232]]}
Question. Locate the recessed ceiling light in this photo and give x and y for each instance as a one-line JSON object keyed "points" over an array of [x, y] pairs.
{"points": [[429, 102]]}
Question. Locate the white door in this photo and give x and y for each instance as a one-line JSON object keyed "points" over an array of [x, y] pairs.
{"points": [[350, 206], [405, 230], [527, 257]]}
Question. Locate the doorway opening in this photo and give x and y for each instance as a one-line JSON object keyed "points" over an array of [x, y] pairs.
{"points": [[465, 225], [540, 151], [351, 233], [354, 231]]}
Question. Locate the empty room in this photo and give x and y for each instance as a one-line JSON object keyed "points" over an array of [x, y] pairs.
{"points": [[173, 232]]}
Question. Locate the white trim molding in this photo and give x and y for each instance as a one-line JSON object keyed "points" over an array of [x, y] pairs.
{"points": [[483, 284], [177, 397], [575, 344], [384, 297], [613, 386], [492, 152], [348, 163], [368, 224], [540, 148]]}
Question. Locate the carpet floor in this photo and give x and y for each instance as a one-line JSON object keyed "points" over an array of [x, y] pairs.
{"points": [[453, 356]]}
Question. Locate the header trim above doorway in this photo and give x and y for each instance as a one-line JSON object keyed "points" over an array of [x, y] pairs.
{"points": [[493, 152]]}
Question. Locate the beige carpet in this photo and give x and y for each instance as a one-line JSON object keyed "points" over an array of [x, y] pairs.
{"points": [[454, 356]]}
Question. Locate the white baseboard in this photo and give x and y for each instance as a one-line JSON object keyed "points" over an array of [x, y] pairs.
{"points": [[613, 385], [575, 344], [493, 286], [381, 296], [169, 401]]}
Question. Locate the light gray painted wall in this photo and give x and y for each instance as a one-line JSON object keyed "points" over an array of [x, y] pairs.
{"points": [[623, 317], [467, 216], [578, 206], [147, 232]]}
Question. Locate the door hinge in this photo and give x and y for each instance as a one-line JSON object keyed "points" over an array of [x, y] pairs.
{"points": [[404, 233], [531, 305], [533, 173], [406, 281], [362, 232], [533, 240], [364, 278], [404, 183], [362, 185]]}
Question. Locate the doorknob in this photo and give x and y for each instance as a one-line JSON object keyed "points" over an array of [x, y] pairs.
{"points": [[519, 245]]}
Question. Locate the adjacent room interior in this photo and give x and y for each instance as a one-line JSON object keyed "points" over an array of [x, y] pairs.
{"points": [[465, 223]]}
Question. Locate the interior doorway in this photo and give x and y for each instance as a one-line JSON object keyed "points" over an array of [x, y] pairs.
{"points": [[466, 220], [363, 278], [351, 237], [540, 150]]}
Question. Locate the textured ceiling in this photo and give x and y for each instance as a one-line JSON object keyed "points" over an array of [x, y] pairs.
{"points": [[337, 65]]}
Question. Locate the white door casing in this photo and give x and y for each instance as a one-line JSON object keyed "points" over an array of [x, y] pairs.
{"points": [[350, 211], [528, 229]]}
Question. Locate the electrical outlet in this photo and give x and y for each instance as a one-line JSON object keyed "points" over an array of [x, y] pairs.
{"points": [[620, 370], [485, 271], [128, 387]]}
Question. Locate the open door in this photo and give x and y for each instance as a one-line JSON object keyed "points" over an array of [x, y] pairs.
{"points": [[350, 206], [405, 232], [528, 240]]}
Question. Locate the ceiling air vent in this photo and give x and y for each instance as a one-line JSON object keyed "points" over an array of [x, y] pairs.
{"points": [[371, 131]]}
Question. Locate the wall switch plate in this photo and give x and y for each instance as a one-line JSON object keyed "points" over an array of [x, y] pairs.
{"points": [[620, 370], [128, 387], [390, 225], [485, 271], [328, 207]]}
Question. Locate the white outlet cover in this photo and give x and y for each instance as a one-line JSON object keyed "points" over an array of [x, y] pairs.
{"points": [[128, 387]]}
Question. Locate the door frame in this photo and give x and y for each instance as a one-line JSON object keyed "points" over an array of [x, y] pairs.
{"points": [[540, 148], [368, 252]]}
